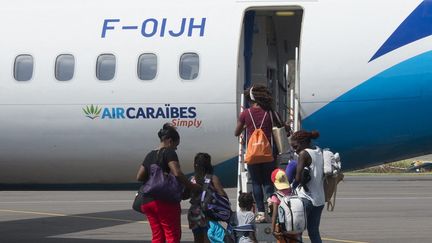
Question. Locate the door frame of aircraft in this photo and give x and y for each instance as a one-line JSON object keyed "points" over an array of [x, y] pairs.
{"points": [[269, 52]]}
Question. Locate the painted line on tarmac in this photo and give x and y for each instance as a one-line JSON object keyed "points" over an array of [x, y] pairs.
{"points": [[125, 220], [383, 198], [337, 240], [346, 241], [90, 201], [77, 216]]}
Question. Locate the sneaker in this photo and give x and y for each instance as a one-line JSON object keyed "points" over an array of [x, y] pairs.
{"points": [[260, 217]]}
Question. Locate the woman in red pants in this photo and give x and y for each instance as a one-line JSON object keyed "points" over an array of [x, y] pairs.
{"points": [[164, 216]]}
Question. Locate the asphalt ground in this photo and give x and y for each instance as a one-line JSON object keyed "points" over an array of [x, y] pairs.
{"points": [[385, 208]]}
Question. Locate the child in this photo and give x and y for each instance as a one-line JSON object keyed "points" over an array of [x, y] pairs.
{"points": [[198, 222], [280, 181], [245, 219]]}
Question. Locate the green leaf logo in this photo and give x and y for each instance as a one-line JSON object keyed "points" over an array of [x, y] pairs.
{"points": [[92, 111]]}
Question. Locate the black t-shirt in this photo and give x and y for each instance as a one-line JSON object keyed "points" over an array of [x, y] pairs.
{"points": [[161, 157]]}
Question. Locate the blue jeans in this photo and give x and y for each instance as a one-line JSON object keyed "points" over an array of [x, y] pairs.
{"points": [[261, 178], [313, 220]]}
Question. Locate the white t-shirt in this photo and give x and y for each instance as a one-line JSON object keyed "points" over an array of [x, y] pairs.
{"points": [[316, 184], [245, 217]]}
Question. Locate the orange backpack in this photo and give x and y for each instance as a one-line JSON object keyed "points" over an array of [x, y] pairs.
{"points": [[259, 149]]}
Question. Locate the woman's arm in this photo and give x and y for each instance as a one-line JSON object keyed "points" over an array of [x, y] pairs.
{"points": [[274, 216], [218, 186], [141, 175], [277, 232], [303, 161], [287, 129], [280, 123], [176, 171], [239, 128]]}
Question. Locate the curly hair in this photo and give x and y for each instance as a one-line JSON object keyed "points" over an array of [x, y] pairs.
{"points": [[304, 136], [261, 95], [246, 201]]}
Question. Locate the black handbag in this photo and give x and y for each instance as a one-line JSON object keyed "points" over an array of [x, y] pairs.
{"points": [[138, 201]]}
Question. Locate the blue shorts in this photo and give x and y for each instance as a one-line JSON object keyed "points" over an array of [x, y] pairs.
{"points": [[200, 230]]}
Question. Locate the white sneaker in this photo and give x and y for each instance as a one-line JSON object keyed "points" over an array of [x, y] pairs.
{"points": [[260, 217]]}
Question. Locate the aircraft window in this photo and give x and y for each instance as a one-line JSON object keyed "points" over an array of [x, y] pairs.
{"points": [[23, 68], [189, 66], [106, 67], [65, 67], [147, 66]]}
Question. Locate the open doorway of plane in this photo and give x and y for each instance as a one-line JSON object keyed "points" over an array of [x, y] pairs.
{"points": [[269, 53]]}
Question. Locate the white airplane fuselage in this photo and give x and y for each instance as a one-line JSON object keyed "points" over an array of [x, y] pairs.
{"points": [[363, 84]]}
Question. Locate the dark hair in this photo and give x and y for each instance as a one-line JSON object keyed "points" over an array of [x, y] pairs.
{"points": [[261, 95], [167, 132], [202, 166], [246, 201], [304, 136]]}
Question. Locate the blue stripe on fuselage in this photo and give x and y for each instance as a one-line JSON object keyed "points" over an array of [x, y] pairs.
{"points": [[415, 27], [386, 118], [227, 172]]}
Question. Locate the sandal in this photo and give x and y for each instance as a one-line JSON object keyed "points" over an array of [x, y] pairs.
{"points": [[260, 217]]}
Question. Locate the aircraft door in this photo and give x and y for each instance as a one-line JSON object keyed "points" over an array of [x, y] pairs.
{"points": [[268, 52]]}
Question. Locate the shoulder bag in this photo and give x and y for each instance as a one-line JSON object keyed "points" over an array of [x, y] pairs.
{"points": [[280, 135], [160, 185]]}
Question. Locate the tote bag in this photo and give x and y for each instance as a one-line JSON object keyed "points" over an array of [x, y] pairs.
{"points": [[280, 137], [161, 185]]}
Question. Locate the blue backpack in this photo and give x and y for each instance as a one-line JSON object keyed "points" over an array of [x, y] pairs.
{"points": [[214, 206]]}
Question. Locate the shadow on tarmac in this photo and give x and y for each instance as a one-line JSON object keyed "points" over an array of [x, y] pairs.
{"points": [[46, 229]]}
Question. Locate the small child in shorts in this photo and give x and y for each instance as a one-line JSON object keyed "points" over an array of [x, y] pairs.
{"points": [[245, 219]]}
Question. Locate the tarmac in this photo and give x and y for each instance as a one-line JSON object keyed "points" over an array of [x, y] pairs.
{"points": [[382, 208]]}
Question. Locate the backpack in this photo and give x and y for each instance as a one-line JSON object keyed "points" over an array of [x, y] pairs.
{"points": [[214, 206], [196, 216], [332, 176], [291, 214], [259, 149]]}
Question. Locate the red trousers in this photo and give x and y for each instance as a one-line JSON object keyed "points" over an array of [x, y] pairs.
{"points": [[164, 219]]}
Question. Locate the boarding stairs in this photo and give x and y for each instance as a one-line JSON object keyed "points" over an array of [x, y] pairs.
{"points": [[244, 184]]}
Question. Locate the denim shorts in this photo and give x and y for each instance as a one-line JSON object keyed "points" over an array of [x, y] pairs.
{"points": [[200, 230]]}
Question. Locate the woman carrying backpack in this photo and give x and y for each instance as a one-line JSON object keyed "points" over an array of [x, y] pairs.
{"points": [[309, 176], [164, 215], [197, 216], [258, 116]]}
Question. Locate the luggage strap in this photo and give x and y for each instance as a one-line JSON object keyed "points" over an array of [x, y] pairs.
{"points": [[253, 121], [207, 182], [244, 228]]}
